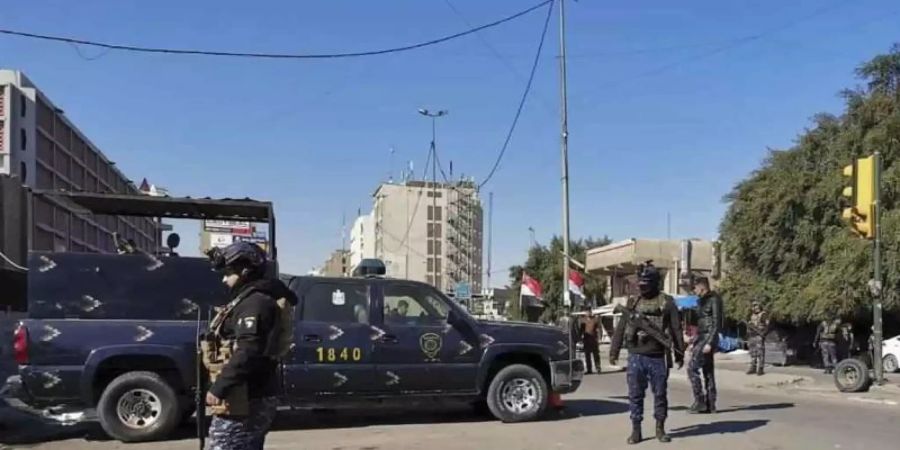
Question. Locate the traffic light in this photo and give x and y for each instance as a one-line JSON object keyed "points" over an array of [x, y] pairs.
{"points": [[861, 192]]}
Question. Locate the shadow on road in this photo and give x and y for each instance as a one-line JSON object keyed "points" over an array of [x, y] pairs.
{"points": [[766, 407], [728, 426], [25, 430]]}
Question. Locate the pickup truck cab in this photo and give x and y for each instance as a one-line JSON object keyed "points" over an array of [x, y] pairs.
{"points": [[116, 333]]}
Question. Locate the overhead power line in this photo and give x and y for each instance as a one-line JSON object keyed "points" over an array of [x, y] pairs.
{"points": [[178, 51], [512, 128]]}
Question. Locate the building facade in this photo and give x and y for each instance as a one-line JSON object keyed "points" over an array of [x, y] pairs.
{"points": [[362, 239], [430, 232], [337, 264], [40, 146]]}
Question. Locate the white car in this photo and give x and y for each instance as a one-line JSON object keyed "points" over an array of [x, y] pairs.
{"points": [[890, 354]]}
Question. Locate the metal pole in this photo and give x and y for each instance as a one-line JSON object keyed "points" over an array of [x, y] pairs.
{"points": [[434, 201], [564, 149], [490, 236], [879, 368]]}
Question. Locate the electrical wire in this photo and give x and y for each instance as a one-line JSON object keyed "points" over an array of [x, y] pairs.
{"points": [[512, 128], [410, 221], [177, 51], [13, 264]]}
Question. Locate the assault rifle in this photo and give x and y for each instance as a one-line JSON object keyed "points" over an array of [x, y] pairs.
{"points": [[640, 322]]}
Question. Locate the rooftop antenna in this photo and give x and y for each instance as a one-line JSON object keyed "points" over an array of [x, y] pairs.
{"points": [[391, 166]]}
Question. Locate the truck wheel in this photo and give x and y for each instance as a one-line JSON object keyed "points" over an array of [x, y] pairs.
{"points": [[889, 363], [139, 406], [518, 393], [851, 375]]}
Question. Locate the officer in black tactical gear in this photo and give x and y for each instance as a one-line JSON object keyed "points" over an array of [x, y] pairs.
{"points": [[709, 323], [648, 361], [244, 390], [825, 340]]}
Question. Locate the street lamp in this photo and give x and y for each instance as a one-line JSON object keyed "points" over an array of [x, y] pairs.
{"points": [[433, 116]]}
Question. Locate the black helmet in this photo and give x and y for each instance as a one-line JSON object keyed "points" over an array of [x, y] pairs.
{"points": [[244, 255]]}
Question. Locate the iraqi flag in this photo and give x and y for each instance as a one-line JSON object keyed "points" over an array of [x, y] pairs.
{"points": [[531, 291], [576, 287]]}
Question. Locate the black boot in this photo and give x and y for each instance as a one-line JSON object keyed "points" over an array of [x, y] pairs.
{"points": [[711, 406], [699, 407], [635, 434], [760, 371], [661, 431], [751, 370]]}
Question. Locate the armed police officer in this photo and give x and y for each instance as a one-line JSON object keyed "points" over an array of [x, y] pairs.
{"points": [[757, 329], [826, 335], [709, 324], [241, 349], [650, 328]]}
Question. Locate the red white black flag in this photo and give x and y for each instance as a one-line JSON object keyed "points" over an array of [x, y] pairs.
{"points": [[531, 291]]}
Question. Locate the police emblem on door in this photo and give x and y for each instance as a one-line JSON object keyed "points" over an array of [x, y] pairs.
{"points": [[430, 343]]}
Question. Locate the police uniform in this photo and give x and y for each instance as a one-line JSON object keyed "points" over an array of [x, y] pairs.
{"points": [[757, 329], [826, 334], [648, 362], [241, 350], [701, 367]]}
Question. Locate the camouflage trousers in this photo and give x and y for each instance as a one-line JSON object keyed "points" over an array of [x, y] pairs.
{"points": [[243, 432], [829, 353], [757, 353], [643, 370], [701, 373]]}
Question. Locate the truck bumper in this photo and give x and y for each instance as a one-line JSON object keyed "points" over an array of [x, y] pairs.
{"points": [[564, 382], [15, 389]]}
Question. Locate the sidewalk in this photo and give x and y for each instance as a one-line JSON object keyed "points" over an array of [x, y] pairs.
{"points": [[731, 373]]}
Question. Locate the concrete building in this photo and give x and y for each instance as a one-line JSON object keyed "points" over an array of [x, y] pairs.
{"points": [[430, 232], [362, 239], [619, 261], [41, 146], [337, 264]]}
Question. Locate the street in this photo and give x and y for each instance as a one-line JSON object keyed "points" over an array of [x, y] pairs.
{"points": [[595, 417]]}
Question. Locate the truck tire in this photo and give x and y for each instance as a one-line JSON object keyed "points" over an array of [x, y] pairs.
{"points": [[139, 406], [518, 393], [851, 375], [889, 363]]}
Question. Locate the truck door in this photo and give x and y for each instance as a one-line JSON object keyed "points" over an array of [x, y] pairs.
{"points": [[417, 349], [332, 338]]}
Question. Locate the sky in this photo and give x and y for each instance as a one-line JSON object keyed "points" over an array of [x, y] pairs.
{"points": [[670, 103]]}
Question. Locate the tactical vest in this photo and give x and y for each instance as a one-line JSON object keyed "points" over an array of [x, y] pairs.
{"points": [[654, 310], [217, 350], [829, 331], [759, 320]]}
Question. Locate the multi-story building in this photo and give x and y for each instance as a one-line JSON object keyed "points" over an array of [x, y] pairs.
{"points": [[45, 150], [430, 232], [362, 239], [336, 265]]}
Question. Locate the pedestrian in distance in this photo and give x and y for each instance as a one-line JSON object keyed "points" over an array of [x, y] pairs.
{"points": [[590, 330], [701, 367], [650, 330], [825, 341], [757, 329], [242, 348]]}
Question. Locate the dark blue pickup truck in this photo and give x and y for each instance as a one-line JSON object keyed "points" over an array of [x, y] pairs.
{"points": [[117, 333]]}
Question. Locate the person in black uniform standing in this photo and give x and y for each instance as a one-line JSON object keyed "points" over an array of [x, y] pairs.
{"points": [[647, 356], [709, 323], [248, 325]]}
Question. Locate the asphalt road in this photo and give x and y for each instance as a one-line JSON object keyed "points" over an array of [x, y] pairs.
{"points": [[595, 417]]}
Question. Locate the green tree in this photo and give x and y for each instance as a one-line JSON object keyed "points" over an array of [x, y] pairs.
{"points": [[544, 264], [783, 237]]}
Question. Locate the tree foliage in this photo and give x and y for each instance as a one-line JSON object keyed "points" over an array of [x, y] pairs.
{"points": [[783, 237], [545, 264]]}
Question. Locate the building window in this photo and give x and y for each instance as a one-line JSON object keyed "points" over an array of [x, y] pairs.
{"points": [[23, 138], [437, 247], [437, 265], [23, 171], [430, 265], [429, 279], [23, 102], [430, 247]]}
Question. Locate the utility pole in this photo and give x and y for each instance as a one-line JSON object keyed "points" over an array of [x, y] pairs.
{"points": [[564, 149], [877, 285], [490, 237]]}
